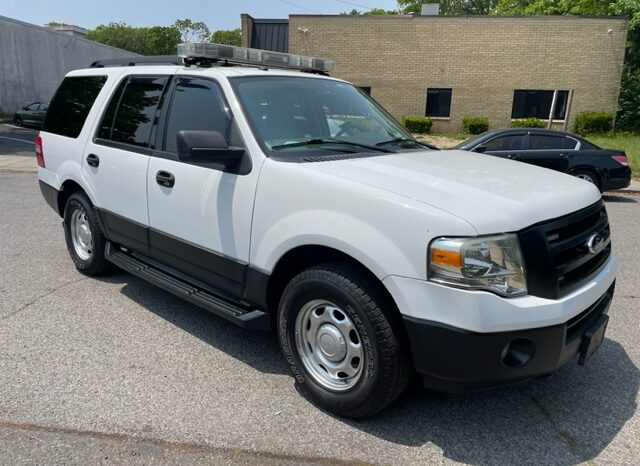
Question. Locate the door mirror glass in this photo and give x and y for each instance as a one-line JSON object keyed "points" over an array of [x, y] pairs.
{"points": [[480, 148], [206, 146]]}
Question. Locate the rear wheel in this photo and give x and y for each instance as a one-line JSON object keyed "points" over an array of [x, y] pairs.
{"points": [[85, 240], [343, 341], [587, 175]]}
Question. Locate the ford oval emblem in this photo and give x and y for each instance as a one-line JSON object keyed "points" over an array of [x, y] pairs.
{"points": [[595, 243]]}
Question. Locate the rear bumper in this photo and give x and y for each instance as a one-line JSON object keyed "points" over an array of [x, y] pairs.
{"points": [[50, 195], [618, 178], [456, 360]]}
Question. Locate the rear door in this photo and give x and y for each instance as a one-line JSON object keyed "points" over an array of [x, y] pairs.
{"points": [[116, 158], [201, 224], [549, 150]]}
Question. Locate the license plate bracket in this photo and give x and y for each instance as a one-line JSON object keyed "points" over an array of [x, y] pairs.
{"points": [[592, 339]]}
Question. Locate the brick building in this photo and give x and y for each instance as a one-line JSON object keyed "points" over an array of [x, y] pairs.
{"points": [[450, 67]]}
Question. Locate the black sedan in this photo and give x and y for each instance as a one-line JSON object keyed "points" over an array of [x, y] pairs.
{"points": [[31, 115], [564, 152]]}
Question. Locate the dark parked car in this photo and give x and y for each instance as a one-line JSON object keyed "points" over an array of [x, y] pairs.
{"points": [[31, 115], [564, 152]]}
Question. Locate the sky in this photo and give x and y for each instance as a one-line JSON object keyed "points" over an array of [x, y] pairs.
{"points": [[216, 14]]}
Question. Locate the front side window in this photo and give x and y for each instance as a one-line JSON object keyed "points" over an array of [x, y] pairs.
{"points": [[197, 105], [135, 113], [546, 142], [537, 104], [291, 110], [33, 107], [70, 106], [513, 142], [438, 103]]}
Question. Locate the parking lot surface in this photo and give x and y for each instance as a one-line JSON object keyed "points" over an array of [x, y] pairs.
{"points": [[114, 370]]}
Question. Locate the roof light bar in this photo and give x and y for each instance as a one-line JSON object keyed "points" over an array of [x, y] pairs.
{"points": [[244, 55]]}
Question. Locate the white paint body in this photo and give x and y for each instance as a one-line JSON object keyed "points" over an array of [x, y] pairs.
{"points": [[382, 211]]}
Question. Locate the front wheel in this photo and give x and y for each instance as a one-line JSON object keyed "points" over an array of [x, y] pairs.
{"points": [[17, 121], [343, 341], [85, 240]]}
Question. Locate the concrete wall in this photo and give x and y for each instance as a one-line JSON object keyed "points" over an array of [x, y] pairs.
{"points": [[482, 58], [33, 61]]}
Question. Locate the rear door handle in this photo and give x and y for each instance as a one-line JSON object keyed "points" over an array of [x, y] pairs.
{"points": [[165, 179], [93, 160], [564, 154]]}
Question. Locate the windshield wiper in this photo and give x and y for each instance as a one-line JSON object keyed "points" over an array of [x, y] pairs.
{"points": [[314, 141], [399, 140]]}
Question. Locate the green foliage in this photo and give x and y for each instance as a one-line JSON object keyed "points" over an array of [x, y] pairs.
{"points": [[594, 123], [628, 118], [528, 123], [417, 124], [156, 40], [475, 124], [373, 11], [229, 37], [191, 31], [451, 7]]}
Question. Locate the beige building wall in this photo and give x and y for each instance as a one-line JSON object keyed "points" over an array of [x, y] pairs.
{"points": [[482, 58]]}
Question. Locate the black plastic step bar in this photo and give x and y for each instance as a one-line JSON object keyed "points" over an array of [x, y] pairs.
{"points": [[242, 316]]}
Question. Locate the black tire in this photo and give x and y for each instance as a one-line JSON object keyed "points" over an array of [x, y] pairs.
{"points": [[387, 368], [17, 121], [95, 264], [588, 175]]}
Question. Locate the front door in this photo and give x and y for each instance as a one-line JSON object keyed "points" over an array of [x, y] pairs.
{"points": [[200, 221]]}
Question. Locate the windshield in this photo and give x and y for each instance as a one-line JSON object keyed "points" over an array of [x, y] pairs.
{"points": [[303, 114]]}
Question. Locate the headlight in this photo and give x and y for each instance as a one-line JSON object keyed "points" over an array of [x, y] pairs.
{"points": [[492, 263]]}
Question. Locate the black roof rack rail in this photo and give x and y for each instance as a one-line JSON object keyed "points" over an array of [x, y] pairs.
{"points": [[142, 60]]}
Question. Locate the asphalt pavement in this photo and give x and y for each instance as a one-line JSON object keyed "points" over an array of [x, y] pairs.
{"points": [[114, 371]]}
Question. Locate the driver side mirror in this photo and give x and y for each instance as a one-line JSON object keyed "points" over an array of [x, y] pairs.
{"points": [[206, 147], [480, 148]]}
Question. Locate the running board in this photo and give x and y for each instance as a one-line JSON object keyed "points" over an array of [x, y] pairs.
{"points": [[239, 315]]}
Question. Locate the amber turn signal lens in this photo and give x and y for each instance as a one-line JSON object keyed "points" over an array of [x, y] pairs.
{"points": [[446, 258]]}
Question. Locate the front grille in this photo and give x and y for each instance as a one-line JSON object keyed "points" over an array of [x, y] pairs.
{"points": [[556, 254]]}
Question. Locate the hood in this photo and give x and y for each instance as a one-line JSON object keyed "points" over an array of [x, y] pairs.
{"points": [[495, 195]]}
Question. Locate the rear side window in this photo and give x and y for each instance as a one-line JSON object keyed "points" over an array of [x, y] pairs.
{"points": [[544, 142], [71, 104], [136, 112]]}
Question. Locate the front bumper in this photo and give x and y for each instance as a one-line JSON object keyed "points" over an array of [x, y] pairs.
{"points": [[456, 360]]}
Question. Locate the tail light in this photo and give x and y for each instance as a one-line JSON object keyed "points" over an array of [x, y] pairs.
{"points": [[621, 159], [39, 152]]}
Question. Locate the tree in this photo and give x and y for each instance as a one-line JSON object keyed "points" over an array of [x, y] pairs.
{"points": [[451, 7], [229, 37], [156, 40], [192, 31]]}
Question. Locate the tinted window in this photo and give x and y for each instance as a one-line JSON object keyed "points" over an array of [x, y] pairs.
{"points": [[537, 104], [33, 107], [71, 104], [197, 105], [545, 142], [106, 126], [44, 107], [365, 89], [136, 112], [513, 142], [438, 102]]}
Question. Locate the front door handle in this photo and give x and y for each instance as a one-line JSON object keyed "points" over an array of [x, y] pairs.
{"points": [[93, 160], [513, 157], [165, 179]]}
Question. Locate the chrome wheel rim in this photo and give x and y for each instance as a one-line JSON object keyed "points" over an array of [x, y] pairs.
{"points": [[81, 234], [329, 345], [584, 176]]}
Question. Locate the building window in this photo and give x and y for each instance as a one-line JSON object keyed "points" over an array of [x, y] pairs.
{"points": [[537, 104], [438, 103], [365, 89]]}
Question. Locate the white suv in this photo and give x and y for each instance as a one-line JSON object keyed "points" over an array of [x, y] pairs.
{"points": [[290, 200]]}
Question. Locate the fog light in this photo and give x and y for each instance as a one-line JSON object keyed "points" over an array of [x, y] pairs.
{"points": [[518, 353]]}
